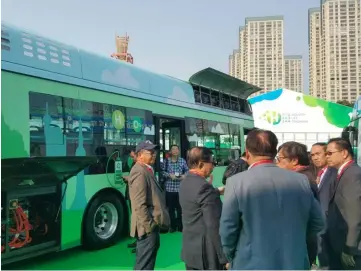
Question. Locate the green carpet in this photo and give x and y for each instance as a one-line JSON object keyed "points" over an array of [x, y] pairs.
{"points": [[118, 257]]}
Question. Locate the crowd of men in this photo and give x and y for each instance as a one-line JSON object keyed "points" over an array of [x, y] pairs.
{"points": [[285, 209]]}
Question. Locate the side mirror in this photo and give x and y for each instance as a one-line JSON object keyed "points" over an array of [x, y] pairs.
{"points": [[345, 135]]}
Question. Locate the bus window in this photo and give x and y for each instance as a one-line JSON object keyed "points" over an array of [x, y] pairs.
{"points": [[222, 138], [61, 126]]}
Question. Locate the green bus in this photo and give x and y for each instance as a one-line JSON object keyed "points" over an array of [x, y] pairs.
{"points": [[69, 119], [352, 131]]}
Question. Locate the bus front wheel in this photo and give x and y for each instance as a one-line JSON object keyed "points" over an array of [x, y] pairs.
{"points": [[104, 222]]}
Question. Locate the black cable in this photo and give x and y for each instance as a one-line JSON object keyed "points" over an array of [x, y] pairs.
{"points": [[61, 202], [106, 171]]}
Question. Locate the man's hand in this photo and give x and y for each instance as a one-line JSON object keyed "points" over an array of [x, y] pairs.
{"points": [[182, 177], [172, 176], [221, 189], [126, 178], [348, 260], [153, 226], [227, 266]]}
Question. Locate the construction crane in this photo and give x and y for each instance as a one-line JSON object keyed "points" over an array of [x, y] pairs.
{"points": [[122, 54]]}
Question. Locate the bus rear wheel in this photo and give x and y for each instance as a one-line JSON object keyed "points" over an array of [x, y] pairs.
{"points": [[103, 222]]}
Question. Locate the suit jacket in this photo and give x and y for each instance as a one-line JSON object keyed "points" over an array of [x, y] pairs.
{"points": [[201, 212], [325, 187], [344, 212], [266, 214], [148, 201], [311, 176], [311, 240]]}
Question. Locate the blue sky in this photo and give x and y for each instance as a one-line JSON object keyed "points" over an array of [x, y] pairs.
{"points": [[177, 38]]}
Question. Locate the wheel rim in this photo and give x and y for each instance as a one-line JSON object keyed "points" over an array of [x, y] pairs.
{"points": [[105, 220]]}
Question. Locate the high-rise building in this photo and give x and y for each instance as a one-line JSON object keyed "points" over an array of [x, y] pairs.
{"points": [[293, 73], [340, 56], [231, 66], [260, 55], [234, 67], [314, 43], [263, 49], [241, 56]]}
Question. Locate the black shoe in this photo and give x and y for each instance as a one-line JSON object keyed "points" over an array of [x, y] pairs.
{"points": [[180, 229], [171, 230], [134, 250], [132, 245]]}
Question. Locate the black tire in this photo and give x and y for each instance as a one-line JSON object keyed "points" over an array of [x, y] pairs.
{"points": [[91, 240]]}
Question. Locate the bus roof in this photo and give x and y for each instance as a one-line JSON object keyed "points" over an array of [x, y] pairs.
{"points": [[219, 81], [28, 53]]}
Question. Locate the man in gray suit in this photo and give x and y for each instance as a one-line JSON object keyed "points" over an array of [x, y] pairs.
{"points": [[149, 213], [268, 211]]}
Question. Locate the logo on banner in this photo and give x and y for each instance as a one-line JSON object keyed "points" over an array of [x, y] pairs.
{"points": [[272, 117], [275, 118]]}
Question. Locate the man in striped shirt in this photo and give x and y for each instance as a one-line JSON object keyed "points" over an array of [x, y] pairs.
{"points": [[173, 170]]}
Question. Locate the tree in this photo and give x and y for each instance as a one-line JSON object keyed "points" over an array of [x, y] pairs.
{"points": [[345, 103]]}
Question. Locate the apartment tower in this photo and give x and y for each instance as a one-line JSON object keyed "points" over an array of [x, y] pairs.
{"points": [[340, 54], [314, 43], [234, 66], [241, 55], [293, 73], [260, 55]]}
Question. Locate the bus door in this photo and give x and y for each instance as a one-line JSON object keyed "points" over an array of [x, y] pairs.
{"points": [[171, 132]]}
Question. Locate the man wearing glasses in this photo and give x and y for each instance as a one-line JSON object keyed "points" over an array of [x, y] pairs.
{"points": [[344, 212], [267, 212], [149, 213]]}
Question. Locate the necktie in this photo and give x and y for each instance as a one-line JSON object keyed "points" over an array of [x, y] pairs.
{"points": [[343, 169], [319, 175]]}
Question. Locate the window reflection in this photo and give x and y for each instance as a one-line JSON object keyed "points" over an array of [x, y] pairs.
{"points": [[218, 136], [62, 126]]}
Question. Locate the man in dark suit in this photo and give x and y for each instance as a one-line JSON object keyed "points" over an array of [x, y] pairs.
{"points": [[325, 174], [202, 206], [149, 213], [293, 156], [344, 212], [325, 177], [268, 211]]}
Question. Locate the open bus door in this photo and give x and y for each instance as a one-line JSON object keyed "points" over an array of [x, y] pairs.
{"points": [[170, 131], [31, 200]]}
